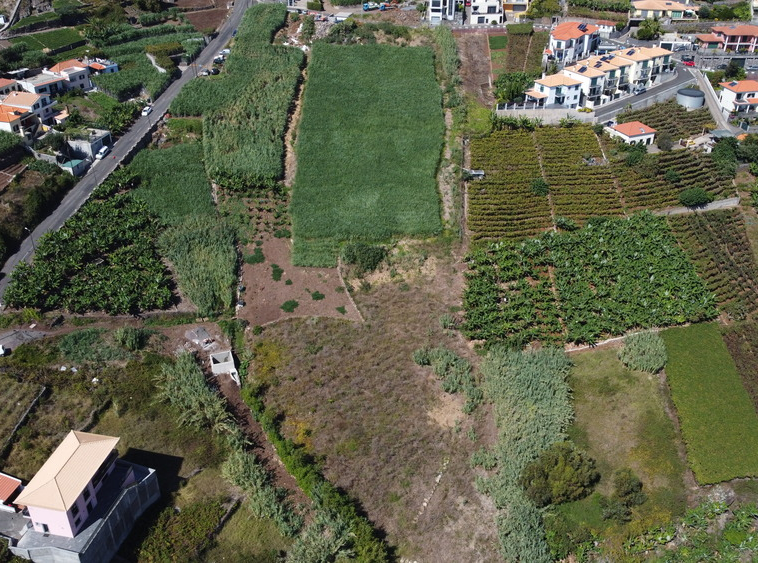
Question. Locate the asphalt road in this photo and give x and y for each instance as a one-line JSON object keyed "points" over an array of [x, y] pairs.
{"points": [[609, 111], [101, 168]]}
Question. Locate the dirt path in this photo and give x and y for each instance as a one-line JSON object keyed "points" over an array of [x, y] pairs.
{"points": [[475, 66], [261, 447], [290, 158]]}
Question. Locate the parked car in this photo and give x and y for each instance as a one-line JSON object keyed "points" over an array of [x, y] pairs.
{"points": [[722, 66], [218, 60], [225, 52], [147, 110], [688, 63], [205, 72], [234, 33], [214, 71], [639, 91], [102, 153]]}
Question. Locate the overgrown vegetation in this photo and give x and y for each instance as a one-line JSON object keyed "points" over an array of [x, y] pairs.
{"points": [[643, 351], [455, 372], [355, 199]]}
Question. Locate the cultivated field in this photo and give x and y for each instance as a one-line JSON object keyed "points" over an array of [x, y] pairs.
{"points": [[15, 398], [49, 39], [742, 342], [719, 422], [718, 246], [669, 117], [368, 146]]}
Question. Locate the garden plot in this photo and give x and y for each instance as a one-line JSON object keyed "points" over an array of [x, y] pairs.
{"points": [[368, 146], [15, 398]]}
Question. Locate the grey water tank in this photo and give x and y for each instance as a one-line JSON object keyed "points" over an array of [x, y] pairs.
{"points": [[690, 98]]}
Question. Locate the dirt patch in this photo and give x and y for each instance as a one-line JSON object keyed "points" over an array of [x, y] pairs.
{"points": [[207, 19], [382, 424], [475, 66], [195, 4], [319, 292]]}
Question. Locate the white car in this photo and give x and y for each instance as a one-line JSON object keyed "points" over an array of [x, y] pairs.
{"points": [[102, 153], [146, 110]]}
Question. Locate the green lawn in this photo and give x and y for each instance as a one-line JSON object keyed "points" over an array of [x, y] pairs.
{"points": [[49, 39], [719, 424], [246, 538], [498, 42], [368, 145], [173, 182], [621, 422]]}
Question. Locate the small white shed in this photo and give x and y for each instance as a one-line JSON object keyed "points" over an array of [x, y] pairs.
{"points": [[223, 362]]}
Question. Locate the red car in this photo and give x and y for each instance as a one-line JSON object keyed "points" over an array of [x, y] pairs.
{"points": [[688, 63]]}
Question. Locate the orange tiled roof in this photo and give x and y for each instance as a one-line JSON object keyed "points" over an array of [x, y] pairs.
{"points": [[60, 67], [736, 30], [741, 86], [571, 30], [634, 129], [558, 80], [8, 486], [21, 99]]}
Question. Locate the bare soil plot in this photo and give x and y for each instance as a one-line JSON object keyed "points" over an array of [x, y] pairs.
{"points": [[197, 4], [319, 292], [475, 65], [352, 394], [207, 19]]}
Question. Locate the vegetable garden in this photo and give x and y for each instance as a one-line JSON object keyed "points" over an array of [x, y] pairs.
{"points": [[669, 117], [368, 147], [578, 190], [523, 49], [611, 276], [718, 246], [245, 112], [502, 205]]}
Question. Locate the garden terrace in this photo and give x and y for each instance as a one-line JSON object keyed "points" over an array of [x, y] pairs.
{"points": [[503, 205], [15, 398], [717, 244], [578, 190], [368, 146], [669, 117], [523, 51], [646, 187], [611, 276]]}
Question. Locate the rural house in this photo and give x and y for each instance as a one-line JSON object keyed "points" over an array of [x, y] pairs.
{"points": [[557, 89], [739, 96], [75, 73], [740, 38], [633, 132], [663, 9], [81, 504]]}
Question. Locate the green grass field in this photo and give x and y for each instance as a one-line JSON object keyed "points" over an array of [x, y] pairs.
{"points": [[173, 182], [16, 398], [621, 422], [49, 39], [368, 145], [719, 424]]}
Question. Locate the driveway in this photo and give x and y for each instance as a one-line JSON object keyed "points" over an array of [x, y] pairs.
{"points": [[102, 168]]}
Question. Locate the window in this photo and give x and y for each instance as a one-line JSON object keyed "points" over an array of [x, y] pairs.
{"points": [[481, 19], [492, 9], [87, 494], [89, 506], [45, 528], [75, 510], [36, 106]]}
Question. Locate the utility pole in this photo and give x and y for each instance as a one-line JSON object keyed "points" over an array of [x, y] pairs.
{"points": [[34, 247]]}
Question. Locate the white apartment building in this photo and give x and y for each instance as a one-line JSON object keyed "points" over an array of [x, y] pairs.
{"points": [[570, 41], [439, 10], [486, 12], [739, 96], [556, 89]]}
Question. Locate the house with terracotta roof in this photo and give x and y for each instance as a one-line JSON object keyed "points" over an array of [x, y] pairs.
{"points": [[104, 66], [42, 83], [741, 38], [633, 132], [739, 96], [7, 86], [75, 73], [663, 9], [39, 104], [555, 90], [19, 122], [81, 504], [570, 41], [10, 487]]}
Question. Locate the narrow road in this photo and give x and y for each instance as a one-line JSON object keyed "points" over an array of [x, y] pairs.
{"points": [[713, 104], [102, 168], [728, 203], [608, 111]]}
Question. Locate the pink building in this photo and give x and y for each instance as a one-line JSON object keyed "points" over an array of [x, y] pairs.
{"points": [[64, 491], [741, 38]]}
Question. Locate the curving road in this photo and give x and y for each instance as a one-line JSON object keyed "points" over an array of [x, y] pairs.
{"points": [[101, 168]]}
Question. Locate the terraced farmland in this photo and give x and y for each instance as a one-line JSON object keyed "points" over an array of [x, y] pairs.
{"points": [[671, 118], [578, 190], [502, 205], [717, 244], [648, 188]]}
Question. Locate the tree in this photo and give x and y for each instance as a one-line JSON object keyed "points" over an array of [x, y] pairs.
{"points": [[734, 71], [543, 8], [649, 29], [540, 187], [560, 474], [626, 495], [510, 86], [694, 197], [672, 176], [665, 142]]}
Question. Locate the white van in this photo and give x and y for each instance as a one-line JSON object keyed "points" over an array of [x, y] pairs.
{"points": [[102, 153]]}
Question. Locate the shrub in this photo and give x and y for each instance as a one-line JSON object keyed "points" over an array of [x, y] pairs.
{"points": [[566, 224], [365, 256], [88, 346], [276, 272], [256, 257], [560, 474], [672, 176], [665, 142], [289, 306], [694, 197], [626, 495], [132, 339], [644, 351], [540, 187], [315, 5], [317, 296]]}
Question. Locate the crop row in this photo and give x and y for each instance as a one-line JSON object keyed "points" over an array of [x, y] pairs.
{"points": [[612, 276], [503, 204], [579, 189], [718, 246], [669, 117]]}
